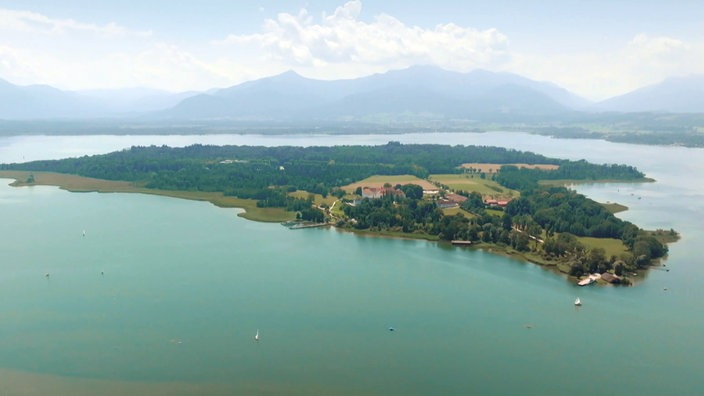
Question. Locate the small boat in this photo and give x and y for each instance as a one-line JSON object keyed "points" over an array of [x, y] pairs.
{"points": [[256, 336], [577, 302]]}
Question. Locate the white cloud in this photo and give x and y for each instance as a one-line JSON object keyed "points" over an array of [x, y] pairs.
{"points": [[26, 21], [160, 65], [664, 56], [342, 45], [640, 61], [660, 46], [71, 54], [76, 55]]}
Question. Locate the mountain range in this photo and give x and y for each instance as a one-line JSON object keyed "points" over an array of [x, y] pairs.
{"points": [[674, 95], [419, 92]]}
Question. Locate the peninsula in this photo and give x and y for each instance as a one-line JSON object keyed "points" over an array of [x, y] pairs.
{"points": [[505, 200]]}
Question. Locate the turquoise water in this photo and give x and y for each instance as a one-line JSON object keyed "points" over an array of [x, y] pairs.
{"points": [[164, 291]]}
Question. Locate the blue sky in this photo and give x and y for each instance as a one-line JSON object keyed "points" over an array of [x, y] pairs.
{"points": [[594, 48]]}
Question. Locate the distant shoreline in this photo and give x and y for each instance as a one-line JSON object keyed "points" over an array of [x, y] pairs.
{"points": [[630, 132]]}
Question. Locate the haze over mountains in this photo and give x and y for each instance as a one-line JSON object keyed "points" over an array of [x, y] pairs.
{"points": [[421, 92], [674, 95]]}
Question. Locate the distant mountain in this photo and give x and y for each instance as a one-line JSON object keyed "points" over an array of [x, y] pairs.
{"points": [[415, 93], [421, 91], [44, 102], [674, 95], [136, 100], [284, 96]]}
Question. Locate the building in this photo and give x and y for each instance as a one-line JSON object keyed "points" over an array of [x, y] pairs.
{"points": [[375, 193], [497, 202], [443, 203], [456, 198]]}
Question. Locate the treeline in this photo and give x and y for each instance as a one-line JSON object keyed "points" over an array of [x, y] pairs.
{"points": [[408, 215], [654, 128], [523, 178], [546, 221], [559, 211], [244, 171]]}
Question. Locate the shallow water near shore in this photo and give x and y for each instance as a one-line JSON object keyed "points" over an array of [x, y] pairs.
{"points": [[164, 296]]}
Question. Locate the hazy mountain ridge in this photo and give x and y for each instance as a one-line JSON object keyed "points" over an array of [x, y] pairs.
{"points": [[33, 102], [673, 95], [41, 101], [136, 100], [419, 92]]}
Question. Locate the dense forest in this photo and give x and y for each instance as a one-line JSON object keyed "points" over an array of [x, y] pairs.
{"points": [[316, 169], [546, 220]]}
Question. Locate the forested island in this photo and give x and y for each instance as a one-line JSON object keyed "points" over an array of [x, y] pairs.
{"points": [[502, 199]]}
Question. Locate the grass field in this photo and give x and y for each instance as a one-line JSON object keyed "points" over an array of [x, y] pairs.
{"points": [[317, 198], [612, 247], [495, 212], [379, 181], [467, 183], [75, 183], [454, 211]]}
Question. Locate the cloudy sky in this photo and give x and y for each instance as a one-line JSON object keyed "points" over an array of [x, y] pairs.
{"points": [[595, 48]]}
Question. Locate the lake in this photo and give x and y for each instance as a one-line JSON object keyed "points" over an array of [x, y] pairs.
{"points": [[164, 296]]}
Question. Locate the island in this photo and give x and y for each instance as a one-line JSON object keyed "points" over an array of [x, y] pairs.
{"points": [[507, 201]]}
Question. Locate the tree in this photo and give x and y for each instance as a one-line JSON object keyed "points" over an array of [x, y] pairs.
{"points": [[596, 260], [412, 191], [311, 214], [519, 241], [506, 222], [339, 193]]}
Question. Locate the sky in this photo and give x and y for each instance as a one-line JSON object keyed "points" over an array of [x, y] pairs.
{"points": [[594, 48]]}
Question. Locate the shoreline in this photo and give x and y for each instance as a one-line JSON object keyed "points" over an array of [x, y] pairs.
{"points": [[74, 183], [504, 251]]}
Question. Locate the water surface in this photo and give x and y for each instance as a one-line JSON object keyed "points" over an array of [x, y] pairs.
{"points": [[163, 296]]}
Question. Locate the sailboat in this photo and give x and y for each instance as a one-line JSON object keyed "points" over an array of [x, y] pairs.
{"points": [[577, 302], [256, 336]]}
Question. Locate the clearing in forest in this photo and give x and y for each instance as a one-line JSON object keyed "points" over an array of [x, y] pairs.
{"points": [[378, 181], [474, 183]]}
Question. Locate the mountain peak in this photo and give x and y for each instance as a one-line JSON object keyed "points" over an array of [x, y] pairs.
{"points": [[287, 76]]}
